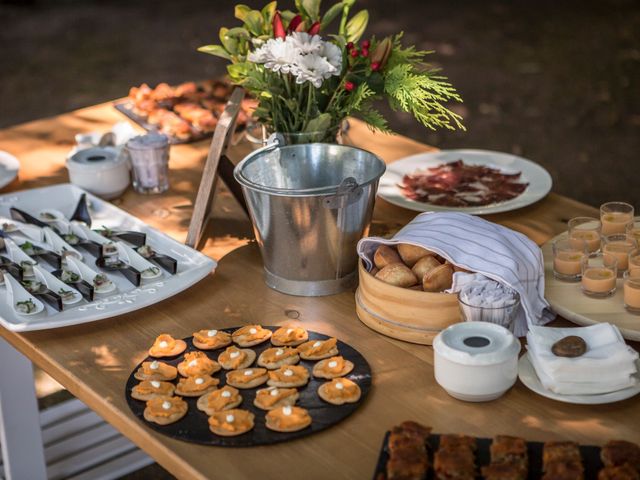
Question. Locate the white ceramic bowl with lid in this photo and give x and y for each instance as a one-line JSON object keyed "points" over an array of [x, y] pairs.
{"points": [[103, 171], [476, 361]]}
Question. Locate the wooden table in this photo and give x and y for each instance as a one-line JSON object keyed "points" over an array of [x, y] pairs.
{"points": [[93, 361]]}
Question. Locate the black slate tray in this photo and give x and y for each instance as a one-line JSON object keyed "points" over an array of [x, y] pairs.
{"points": [[590, 458], [193, 427]]}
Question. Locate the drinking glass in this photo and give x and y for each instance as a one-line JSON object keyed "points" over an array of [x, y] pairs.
{"points": [[632, 291], [599, 274], [588, 229], [150, 161], [615, 216], [619, 245], [567, 257]]}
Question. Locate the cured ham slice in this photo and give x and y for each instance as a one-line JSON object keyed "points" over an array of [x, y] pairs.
{"points": [[457, 184]]}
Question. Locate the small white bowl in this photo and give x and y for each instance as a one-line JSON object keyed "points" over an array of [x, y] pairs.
{"points": [[476, 361]]}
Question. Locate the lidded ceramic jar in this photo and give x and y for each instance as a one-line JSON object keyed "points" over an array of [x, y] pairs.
{"points": [[476, 361], [103, 171]]}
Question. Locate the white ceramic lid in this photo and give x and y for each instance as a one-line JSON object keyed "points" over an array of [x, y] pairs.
{"points": [[476, 343], [95, 159]]}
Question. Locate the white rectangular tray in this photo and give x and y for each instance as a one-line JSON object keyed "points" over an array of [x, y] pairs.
{"points": [[192, 265]]}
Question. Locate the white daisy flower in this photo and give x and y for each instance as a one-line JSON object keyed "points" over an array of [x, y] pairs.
{"points": [[305, 43], [313, 68], [333, 55]]}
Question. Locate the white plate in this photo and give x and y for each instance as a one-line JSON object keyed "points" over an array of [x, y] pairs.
{"points": [[192, 265], [537, 177], [9, 166], [528, 376]]}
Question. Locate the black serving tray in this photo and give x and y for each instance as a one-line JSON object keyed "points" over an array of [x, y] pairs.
{"points": [[590, 458], [193, 427]]}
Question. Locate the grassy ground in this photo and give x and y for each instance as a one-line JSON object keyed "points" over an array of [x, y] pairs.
{"points": [[556, 82]]}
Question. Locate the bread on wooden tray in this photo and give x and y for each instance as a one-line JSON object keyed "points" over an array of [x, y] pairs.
{"points": [[413, 267]]}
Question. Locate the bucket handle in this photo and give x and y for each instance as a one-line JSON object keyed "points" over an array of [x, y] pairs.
{"points": [[274, 141], [348, 192]]}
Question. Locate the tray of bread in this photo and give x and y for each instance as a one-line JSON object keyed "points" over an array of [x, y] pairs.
{"points": [[68, 257], [247, 386], [185, 113], [411, 451]]}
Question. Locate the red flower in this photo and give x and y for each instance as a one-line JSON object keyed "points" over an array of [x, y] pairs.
{"points": [[349, 86], [365, 52], [293, 24], [375, 66], [366, 44], [278, 27], [354, 52], [349, 46], [314, 29]]}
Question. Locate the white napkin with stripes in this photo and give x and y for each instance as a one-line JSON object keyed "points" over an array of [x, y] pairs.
{"points": [[475, 244]]}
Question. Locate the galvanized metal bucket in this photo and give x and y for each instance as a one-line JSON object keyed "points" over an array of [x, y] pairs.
{"points": [[310, 204]]}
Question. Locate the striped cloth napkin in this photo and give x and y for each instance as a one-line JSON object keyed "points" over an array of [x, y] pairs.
{"points": [[475, 244]]}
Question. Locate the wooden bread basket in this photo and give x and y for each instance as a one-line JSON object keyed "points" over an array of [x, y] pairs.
{"points": [[409, 315]]}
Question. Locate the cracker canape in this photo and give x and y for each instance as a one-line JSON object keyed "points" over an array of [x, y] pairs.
{"points": [[247, 377], [219, 400], [167, 346], [156, 370], [318, 349], [274, 397], [289, 376], [165, 410], [196, 386], [332, 367], [211, 339], [251, 335], [148, 389], [230, 423], [289, 336], [197, 363], [339, 391], [273, 358], [234, 358], [287, 419]]}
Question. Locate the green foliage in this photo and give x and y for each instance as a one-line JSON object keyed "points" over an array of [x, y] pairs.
{"points": [[402, 77]]}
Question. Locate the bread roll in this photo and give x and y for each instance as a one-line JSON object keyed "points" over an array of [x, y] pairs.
{"points": [[424, 265], [386, 255], [397, 274], [438, 279], [411, 254]]}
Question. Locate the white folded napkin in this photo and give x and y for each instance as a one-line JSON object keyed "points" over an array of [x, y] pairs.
{"points": [[609, 364], [480, 246]]}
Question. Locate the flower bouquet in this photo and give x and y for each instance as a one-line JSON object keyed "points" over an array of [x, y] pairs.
{"points": [[308, 78]]}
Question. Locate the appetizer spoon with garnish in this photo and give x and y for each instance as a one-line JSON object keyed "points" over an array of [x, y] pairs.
{"points": [[23, 302]]}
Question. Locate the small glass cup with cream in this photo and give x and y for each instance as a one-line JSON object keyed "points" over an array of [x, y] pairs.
{"points": [[634, 260], [599, 275], [588, 229], [568, 253], [615, 216], [633, 229], [619, 245], [632, 291]]}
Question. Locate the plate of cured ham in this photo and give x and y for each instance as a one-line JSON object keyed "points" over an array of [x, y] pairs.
{"points": [[478, 182]]}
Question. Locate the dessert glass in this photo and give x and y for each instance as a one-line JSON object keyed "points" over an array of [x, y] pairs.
{"points": [[633, 229], [568, 253], [615, 216], [619, 245], [588, 229], [632, 291], [599, 275], [634, 260]]}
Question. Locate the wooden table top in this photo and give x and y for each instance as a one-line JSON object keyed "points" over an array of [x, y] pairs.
{"points": [[93, 361]]}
